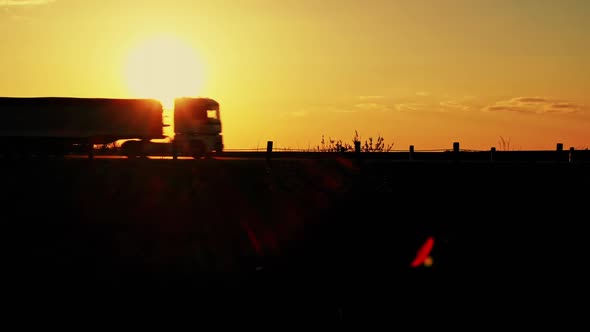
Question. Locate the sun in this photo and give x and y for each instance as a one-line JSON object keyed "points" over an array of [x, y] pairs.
{"points": [[164, 68]]}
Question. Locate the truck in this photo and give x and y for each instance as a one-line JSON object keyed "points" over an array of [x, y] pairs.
{"points": [[57, 126]]}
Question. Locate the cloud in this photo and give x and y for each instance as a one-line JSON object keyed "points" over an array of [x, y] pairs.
{"points": [[412, 107], [419, 102], [529, 100], [429, 103], [373, 106], [535, 105], [454, 105], [22, 3], [437, 105], [14, 9], [315, 109], [564, 105], [370, 97]]}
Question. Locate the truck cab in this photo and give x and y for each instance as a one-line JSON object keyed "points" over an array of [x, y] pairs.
{"points": [[197, 132], [197, 127]]}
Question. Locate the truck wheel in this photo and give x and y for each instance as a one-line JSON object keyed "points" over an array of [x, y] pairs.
{"points": [[199, 150], [131, 149]]}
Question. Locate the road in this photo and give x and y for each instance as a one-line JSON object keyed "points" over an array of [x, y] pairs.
{"points": [[322, 229], [578, 156]]}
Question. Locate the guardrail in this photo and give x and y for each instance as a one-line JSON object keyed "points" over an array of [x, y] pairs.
{"points": [[454, 154]]}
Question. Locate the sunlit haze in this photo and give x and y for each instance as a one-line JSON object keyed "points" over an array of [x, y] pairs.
{"points": [[416, 72], [163, 67]]}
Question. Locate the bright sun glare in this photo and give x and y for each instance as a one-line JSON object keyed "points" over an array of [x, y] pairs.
{"points": [[163, 68]]}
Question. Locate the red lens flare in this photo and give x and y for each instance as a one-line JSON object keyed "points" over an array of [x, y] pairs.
{"points": [[423, 253]]}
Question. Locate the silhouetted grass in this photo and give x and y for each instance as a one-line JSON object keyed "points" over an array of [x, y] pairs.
{"points": [[369, 145]]}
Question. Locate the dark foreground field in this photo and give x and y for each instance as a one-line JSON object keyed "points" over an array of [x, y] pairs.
{"points": [[321, 239]]}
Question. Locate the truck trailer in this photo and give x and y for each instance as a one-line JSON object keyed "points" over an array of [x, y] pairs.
{"points": [[62, 125]]}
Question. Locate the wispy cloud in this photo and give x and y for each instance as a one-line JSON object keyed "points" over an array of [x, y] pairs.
{"points": [[22, 3], [315, 109], [370, 97], [15, 9], [373, 106], [535, 105], [419, 102], [409, 103], [412, 107], [454, 105]]}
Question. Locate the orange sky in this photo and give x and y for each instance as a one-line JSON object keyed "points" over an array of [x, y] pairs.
{"points": [[416, 72]]}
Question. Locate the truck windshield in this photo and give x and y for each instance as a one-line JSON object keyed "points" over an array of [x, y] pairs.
{"points": [[212, 114]]}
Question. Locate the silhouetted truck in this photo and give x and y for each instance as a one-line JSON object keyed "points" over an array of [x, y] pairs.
{"points": [[63, 125]]}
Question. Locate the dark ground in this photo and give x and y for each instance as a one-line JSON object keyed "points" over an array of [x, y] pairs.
{"points": [[302, 239]]}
